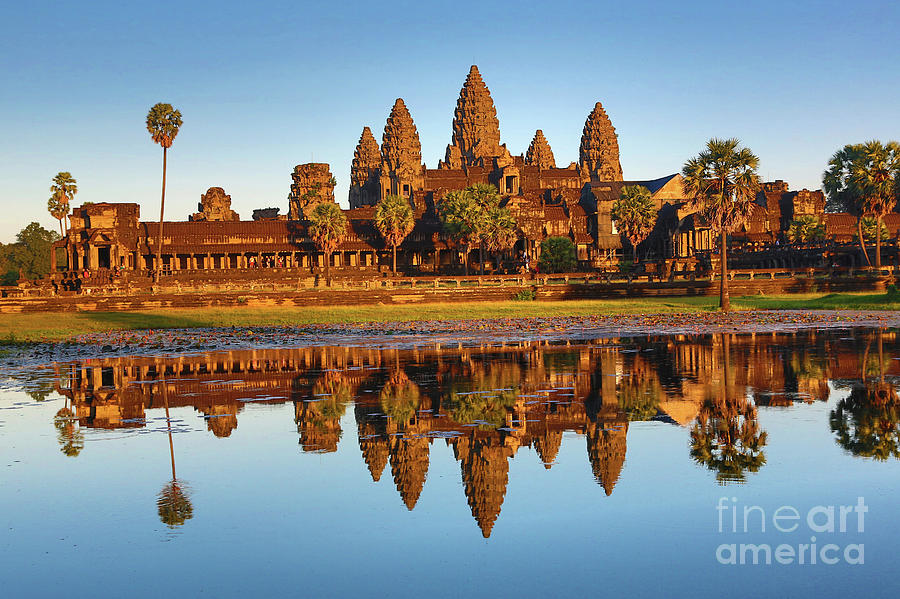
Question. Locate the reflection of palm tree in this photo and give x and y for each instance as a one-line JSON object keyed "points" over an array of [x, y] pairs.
{"points": [[174, 505], [400, 398], [638, 395], [318, 419], [70, 437], [173, 502], [726, 436], [866, 422]]}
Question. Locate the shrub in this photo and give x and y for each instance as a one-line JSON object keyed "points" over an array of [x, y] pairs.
{"points": [[526, 295]]}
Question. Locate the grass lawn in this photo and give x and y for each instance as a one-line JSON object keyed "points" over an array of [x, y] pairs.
{"points": [[54, 326]]}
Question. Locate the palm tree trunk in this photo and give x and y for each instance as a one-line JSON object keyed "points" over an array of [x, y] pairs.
{"points": [[862, 242], [878, 241], [394, 268], [466, 260], [62, 233], [481, 256], [724, 300], [328, 268], [162, 209]]}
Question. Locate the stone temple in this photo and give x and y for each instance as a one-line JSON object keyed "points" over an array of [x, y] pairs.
{"points": [[546, 200]]}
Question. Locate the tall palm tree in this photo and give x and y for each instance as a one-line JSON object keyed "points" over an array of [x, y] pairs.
{"points": [[328, 228], [634, 215], [722, 182], [394, 220], [867, 177], [62, 192], [163, 123]]}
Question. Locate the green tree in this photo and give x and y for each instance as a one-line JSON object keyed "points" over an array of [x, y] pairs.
{"points": [[473, 216], [557, 255], [866, 178], [722, 182], [394, 221], [328, 229], [806, 228], [62, 192], [634, 215], [30, 255], [163, 123]]}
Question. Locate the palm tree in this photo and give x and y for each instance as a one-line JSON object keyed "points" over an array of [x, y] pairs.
{"points": [[722, 182], [62, 191], [163, 123], [328, 228], [500, 230], [806, 228], [867, 177], [469, 214], [634, 215], [394, 220]]}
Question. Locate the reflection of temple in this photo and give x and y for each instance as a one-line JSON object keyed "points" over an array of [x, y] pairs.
{"points": [[487, 403]]}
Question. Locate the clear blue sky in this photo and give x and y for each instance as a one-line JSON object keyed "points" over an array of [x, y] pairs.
{"points": [[266, 86]]}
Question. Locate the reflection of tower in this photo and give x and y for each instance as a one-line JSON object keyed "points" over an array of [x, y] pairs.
{"points": [[606, 425], [547, 446], [485, 473], [373, 440], [221, 419], [606, 447], [409, 466]]}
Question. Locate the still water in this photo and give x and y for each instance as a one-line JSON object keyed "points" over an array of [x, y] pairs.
{"points": [[630, 466]]}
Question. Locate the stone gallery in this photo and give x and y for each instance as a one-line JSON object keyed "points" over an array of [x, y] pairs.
{"points": [[546, 200]]}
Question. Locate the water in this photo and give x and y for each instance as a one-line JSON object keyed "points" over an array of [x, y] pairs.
{"points": [[534, 469]]}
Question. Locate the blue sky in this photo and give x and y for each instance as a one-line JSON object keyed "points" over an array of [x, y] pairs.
{"points": [[263, 87]]}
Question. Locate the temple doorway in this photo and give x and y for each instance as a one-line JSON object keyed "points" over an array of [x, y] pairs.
{"points": [[103, 257]]}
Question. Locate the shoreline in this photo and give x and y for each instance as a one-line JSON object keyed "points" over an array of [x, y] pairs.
{"points": [[51, 327], [415, 334]]}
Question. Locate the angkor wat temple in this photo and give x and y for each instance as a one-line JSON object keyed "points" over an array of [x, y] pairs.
{"points": [[546, 200]]}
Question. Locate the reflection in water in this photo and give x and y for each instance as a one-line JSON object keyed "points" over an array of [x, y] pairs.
{"points": [[867, 422], [173, 503], [486, 403], [69, 435], [726, 437]]}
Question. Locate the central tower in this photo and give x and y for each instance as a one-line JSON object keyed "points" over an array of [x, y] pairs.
{"points": [[476, 129]]}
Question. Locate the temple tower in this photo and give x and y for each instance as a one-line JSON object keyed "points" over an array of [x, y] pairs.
{"points": [[364, 171], [539, 153], [476, 129], [402, 171], [313, 184], [215, 205], [599, 152]]}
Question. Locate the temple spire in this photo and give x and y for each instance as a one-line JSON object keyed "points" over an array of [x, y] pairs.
{"points": [[476, 129], [364, 171], [599, 152], [539, 153], [400, 146]]}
